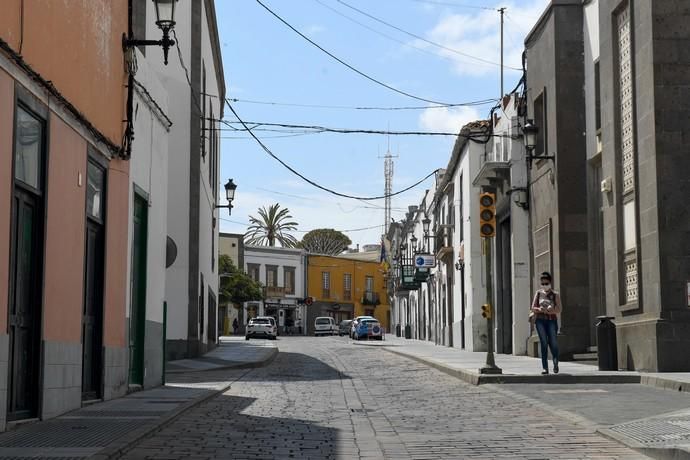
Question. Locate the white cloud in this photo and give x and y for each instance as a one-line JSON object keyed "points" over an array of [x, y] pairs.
{"points": [[314, 29], [478, 35], [448, 119]]}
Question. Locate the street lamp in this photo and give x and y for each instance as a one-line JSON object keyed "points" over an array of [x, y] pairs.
{"points": [[230, 188], [529, 133], [165, 20], [413, 241], [426, 222]]}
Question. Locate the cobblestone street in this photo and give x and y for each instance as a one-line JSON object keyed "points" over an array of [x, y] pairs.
{"points": [[325, 398]]}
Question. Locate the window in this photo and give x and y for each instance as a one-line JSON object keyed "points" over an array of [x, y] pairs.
{"points": [[289, 279], [347, 286], [95, 181], [597, 97], [461, 226], [369, 284], [203, 112], [271, 275], [540, 122], [628, 152], [326, 285], [253, 271], [28, 148]]}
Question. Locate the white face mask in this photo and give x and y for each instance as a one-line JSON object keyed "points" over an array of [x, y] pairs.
{"points": [[546, 287]]}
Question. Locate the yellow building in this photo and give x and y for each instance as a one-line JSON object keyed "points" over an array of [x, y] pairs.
{"points": [[347, 286]]}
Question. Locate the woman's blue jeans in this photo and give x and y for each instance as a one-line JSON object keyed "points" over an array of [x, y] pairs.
{"points": [[547, 330]]}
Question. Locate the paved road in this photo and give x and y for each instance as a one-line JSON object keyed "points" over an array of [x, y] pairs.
{"points": [[325, 398]]}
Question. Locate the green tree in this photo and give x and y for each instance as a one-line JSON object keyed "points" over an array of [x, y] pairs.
{"points": [[325, 241], [271, 227], [236, 286]]}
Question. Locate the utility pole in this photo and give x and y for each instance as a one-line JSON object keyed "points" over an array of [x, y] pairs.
{"points": [[502, 11]]}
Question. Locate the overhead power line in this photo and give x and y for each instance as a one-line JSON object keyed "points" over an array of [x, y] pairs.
{"points": [[457, 5], [419, 37], [307, 231], [312, 182], [354, 107], [349, 66]]}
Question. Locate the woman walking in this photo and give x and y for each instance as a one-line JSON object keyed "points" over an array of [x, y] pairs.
{"points": [[545, 308]]}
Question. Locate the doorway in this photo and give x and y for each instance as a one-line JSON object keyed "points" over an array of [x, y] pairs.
{"points": [[504, 316], [26, 266], [92, 319], [137, 319]]}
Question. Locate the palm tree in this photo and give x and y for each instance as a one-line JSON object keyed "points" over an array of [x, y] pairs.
{"points": [[271, 227]]}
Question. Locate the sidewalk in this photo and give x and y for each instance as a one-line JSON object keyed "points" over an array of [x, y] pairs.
{"points": [[232, 352], [107, 429], [647, 417]]}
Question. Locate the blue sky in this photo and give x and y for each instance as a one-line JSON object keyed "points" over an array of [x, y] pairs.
{"points": [[265, 61]]}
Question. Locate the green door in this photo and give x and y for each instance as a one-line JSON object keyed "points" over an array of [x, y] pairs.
{"points": [[137, 319]]}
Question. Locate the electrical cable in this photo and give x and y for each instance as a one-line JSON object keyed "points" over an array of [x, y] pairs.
{"points": [[315, 184], [419, 37], [350, 107], [458, 5], [349, 66], [396, 40], [307, 231]]}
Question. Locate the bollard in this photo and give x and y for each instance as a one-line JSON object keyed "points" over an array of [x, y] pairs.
{"points": [[408, 331], [397, 330], [607, 353]]}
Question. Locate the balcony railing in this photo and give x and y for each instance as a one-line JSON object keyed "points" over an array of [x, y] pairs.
{"points": [[370, 298], [274, 291]]}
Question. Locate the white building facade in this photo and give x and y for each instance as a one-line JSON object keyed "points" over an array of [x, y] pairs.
{"points": [[282, 273]]}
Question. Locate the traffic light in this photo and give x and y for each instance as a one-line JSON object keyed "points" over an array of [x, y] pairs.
{"points": [[487, 214], [486, 311], [308, 301]]}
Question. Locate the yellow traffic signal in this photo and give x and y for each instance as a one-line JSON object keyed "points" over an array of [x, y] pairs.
{"points": [[486, 311], [487, 214]]}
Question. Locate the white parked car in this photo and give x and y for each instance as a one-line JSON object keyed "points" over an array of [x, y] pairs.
{"points": [[262, 326], [325, 325]]}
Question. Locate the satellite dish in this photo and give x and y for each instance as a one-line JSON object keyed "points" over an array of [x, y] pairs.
{"points": [[170, 252]]}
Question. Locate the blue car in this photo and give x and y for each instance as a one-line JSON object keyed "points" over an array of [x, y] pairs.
{"points": [[368, 328]]}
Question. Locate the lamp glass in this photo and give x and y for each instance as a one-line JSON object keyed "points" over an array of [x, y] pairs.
{"points": [[230, 188], [426, 222], [413, 241], [165, 12], [529, 132]]}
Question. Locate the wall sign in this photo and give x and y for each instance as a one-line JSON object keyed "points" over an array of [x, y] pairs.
{"points": [[424, 261]]}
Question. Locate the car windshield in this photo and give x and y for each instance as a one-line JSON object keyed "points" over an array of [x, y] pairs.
{"points": [[323, 321], [345, 323], [261, 321], [369, 321]]}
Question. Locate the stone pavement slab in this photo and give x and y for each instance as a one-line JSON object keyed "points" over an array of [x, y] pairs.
{"points": [[231, 352]]}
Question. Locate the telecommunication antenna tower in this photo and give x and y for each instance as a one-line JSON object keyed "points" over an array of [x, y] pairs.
{"points": [[388, 187]]}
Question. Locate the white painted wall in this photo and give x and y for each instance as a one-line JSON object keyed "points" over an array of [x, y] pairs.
{"points": [[149, 165]]}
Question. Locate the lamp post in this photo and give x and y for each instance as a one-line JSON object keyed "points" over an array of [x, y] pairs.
{"points": [[426, 222], [230, 188], [165, 20]]}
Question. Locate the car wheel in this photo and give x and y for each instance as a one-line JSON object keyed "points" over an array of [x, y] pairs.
{"points": [[246, 337]]}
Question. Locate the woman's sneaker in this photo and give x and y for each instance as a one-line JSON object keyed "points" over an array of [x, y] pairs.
{"points": [[555, 368], [545, 372]]}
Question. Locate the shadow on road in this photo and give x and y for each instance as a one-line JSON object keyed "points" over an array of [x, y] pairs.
{"points": [[293, 367], [239, 427]]}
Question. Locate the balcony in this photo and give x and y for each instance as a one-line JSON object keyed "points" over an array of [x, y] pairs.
{"points": [[274, 291], [370, 298], [443, 239]]}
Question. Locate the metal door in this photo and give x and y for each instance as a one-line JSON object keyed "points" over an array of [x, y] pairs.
{"points": [[25, 306], [92, 324], [137, 319]]}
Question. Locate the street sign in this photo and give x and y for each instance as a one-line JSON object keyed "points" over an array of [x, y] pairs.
{"points": [[424, 261]]}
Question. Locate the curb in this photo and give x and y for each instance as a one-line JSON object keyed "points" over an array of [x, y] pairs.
{"points": [[250, 365], [474, 378], [659, 453], [118, 448], [665, 383]]}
